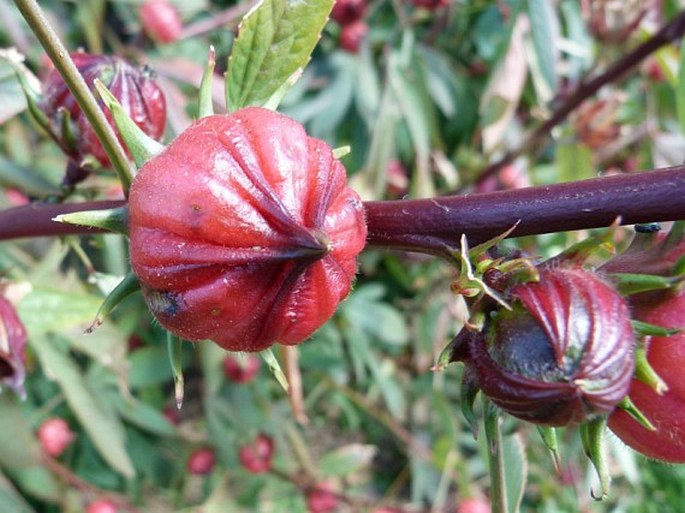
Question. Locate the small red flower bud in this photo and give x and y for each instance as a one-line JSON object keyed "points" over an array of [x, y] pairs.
{"points": [[352, 35], [474, 505], [161, 20], [242, 231], [347, 11], [102, 506], [257, 457], [563, 354], [241, 368], [171, 414], [137, 92], [201, 462], [55, 436], [322, 499], [12, 347]]}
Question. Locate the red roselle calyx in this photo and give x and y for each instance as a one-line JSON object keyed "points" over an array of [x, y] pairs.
{"points": [[257, 457], [563, 354], [201, 462], [12, 347], [135, 89], [55, 436], [241, 368], [161, 20], [242, 231]]}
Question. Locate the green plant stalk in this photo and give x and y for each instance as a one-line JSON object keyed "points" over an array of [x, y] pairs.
{"points": [[59, 55], [493, 435]]}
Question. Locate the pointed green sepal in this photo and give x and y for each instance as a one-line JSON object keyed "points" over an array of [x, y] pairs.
{"points": [[340, 152], [644, 329], [66, 135], [175, 349], [549, 437], [125, 288], [630, 283], [142, 146], [580, 252], [113, 219], [206, 104], [468, 393], [483, 247], [629, 407], [270, 359], [275, 100], [592, 435], [646, 373]]}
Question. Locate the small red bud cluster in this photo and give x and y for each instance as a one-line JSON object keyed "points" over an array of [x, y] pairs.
{"points": [[102, 506], [322, 499], [350, 16], [201, 461], [55, 436], [161, 20], [257, 457], [241, 368]]}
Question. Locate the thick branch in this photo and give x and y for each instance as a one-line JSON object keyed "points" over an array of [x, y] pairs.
{"points": [[670, 32], [35, 219], [432, 225]]}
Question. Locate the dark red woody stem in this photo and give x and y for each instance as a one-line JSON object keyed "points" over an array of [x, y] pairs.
{"points": [[432, 225], [435, 224]]}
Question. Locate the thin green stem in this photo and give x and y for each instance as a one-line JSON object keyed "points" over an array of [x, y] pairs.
{"points": [[493, 432], [59, 55]]}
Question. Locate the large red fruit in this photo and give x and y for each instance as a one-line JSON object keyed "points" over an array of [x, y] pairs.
{"points": [[135, 89], [666, 412], [244, 232]]}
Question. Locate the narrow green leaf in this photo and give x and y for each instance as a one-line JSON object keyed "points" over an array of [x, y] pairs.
{"points": [[543, 22], [515, 471], [24, 179], [275, 39], [46, 310], [12, 98], [18, 447], [680, 88], [11, 499], [106, 431]]}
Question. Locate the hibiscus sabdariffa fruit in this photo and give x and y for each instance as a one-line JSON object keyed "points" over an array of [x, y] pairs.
{"points": [[243, 231], [562, 354]]}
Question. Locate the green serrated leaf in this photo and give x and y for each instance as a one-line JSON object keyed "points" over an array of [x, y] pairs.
{"points": [[105, 430], [275, 39]]}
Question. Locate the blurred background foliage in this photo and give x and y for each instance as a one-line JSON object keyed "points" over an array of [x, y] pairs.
{"points": [[432, 93]]}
